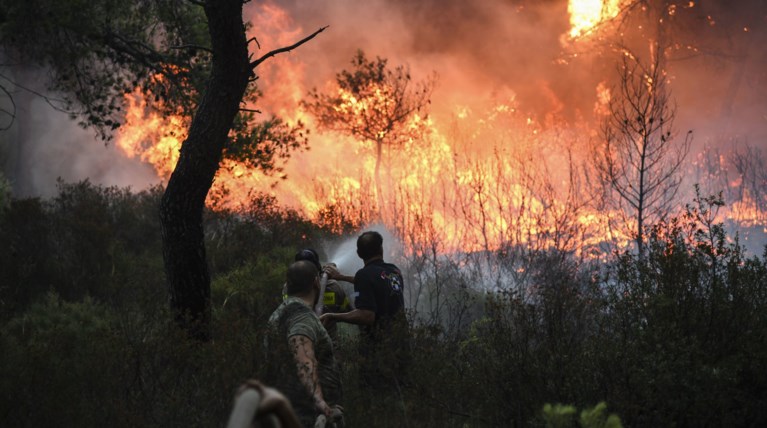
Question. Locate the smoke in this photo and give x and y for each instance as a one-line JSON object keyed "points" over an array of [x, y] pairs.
{"points": [[485, 53], [520, 50], [44, 145], [477, 50], [344, 253]]}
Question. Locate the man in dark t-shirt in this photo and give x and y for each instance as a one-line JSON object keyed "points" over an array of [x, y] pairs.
{"points": [[379, 289], [379, 311]]}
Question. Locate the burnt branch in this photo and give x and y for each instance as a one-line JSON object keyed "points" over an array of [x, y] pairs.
{"points": [[270, 54], [254, 39]]}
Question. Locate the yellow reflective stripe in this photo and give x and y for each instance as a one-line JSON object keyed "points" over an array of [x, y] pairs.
{"points": [[329, 298]]}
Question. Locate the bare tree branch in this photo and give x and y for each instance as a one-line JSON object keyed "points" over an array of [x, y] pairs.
{"points": [[640, 158], [254, 39], [270, 54], [12, 112], [48, 100]]}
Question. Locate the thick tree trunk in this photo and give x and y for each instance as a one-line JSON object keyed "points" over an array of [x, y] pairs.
{"points": [[184, 199]]}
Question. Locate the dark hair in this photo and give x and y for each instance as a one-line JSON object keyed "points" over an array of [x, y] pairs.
{"points": [[370, 244], [300, 277], [309, 255]]}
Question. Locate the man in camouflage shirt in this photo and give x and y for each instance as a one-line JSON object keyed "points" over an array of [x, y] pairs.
{"points": [[300, 360]]}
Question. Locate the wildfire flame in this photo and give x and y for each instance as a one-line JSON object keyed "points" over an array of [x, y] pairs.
{"points": [[587, 14], [149, 136], [483, 179]]}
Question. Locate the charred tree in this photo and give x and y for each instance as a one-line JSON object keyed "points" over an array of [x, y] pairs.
{"points": [[639, 158]]}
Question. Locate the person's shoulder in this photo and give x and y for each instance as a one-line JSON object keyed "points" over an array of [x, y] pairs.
{"points": [[304, 322], [296, 310], [277, 313]]}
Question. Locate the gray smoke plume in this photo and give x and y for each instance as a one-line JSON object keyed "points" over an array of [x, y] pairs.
{"points": [[44, 144]]}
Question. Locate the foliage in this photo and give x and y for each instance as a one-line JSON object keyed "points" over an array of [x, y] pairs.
{"points": [[674, 338], [97, 51], [5, 194], [60, 350], [83, 364], [685, 324], [562, 416], [114, 47], [246, 236], [265, 145], [374, 104], [102, 349], [88, 241]]}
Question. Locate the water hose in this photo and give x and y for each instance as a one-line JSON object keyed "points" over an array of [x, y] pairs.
{"points": [[321, 300]]}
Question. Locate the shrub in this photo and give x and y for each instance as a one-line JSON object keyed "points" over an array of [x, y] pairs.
{"points": [[562, 416], [682, 323]]}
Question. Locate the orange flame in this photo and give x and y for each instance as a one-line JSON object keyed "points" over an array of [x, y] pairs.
{"points": [[149, 136], [587, 14], [483, 179]]}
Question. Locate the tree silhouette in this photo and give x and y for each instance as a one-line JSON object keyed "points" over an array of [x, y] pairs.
{"points": [[639, 156], [193, 57], [375, 104]]}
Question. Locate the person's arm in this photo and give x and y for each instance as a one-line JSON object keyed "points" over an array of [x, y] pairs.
{"points": [[274, 401], [306, 364], [334, 273], [255, 399], [355, 316]]}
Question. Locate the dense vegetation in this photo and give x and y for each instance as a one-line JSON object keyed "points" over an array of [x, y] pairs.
{"points": [[675, 338]]}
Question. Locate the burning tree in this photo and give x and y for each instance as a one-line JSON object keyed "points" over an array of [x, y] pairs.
{"points": [[375, 104], [193, 57], [638, 160]]}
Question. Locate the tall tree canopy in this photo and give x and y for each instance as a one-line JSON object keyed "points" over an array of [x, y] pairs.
{"points": [[193, 57]]}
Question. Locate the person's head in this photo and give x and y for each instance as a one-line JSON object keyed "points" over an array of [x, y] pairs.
{"points": [[369, 245], [302, 279], [310, 255]]}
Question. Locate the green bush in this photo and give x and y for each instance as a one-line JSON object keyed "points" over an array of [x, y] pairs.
{"points": [[673, 338], [678, 343], [562, 416], [88, 241], [59, 364], [5, 194]]}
